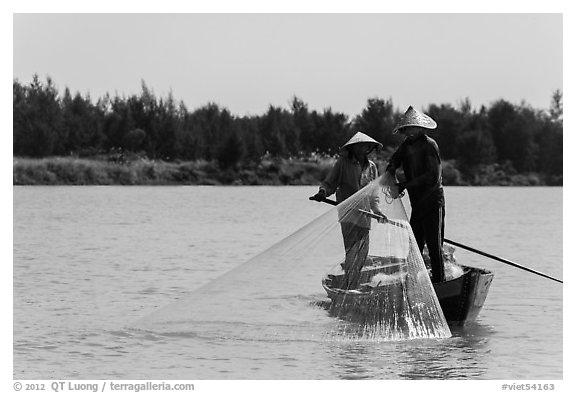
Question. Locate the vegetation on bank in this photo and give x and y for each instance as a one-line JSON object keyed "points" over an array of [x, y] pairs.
{"points": [[118, 170], [142, 139], [142, 171]]}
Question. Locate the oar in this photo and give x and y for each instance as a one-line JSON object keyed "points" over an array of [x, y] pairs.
{"points": [[334, 203], [373, 215], [386, 219], [325, 200]]}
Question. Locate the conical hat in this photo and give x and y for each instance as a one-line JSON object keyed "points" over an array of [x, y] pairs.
{"points": [[360, 137], [414, 118]]}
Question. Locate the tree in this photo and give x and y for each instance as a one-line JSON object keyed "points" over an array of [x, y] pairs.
{"points": [[501, 117], [38, 119], [166, 124], [513, 130], [332, 130], [557, 107], [133, 139], [230, 150], [279, 133], [81, 123], [479, 149], [249, 133], [20, 119], [304, 125], [451, 123], [377, 120], [117, 123], [517, 138]]}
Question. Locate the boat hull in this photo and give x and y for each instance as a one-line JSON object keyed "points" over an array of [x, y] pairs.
{"points": [[461, 299]]}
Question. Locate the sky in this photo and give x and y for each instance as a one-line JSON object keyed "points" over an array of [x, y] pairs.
{"points": [[247, 62]]}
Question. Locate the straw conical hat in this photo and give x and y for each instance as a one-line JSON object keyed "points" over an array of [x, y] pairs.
{"points": [[414, 118], [360, 137]]}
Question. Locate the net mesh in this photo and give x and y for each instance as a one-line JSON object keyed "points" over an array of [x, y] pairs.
{"points": [[377, 286]]}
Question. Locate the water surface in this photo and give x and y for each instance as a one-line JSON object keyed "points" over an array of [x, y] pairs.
{"points": [[89, 261]]}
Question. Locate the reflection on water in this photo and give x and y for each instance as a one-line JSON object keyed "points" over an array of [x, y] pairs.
{"points": [[464, 356]]}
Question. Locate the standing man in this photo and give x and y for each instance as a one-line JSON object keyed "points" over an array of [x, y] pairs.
{"points": [[419, 157]]}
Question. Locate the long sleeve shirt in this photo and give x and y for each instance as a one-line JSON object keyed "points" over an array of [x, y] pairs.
{"points": [[346, 178], [420, 160]]}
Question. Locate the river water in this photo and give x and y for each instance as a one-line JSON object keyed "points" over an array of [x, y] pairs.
{"points": [[90, 261]]}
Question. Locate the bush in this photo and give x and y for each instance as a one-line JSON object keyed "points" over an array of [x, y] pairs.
{"points": [[451, 176], [78, 171]]}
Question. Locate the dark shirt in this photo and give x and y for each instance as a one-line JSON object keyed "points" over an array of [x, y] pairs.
{"points": [[420, 160]]}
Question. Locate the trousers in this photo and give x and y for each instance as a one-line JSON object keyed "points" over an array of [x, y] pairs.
{"points": [[356, 243], [428, 228]]}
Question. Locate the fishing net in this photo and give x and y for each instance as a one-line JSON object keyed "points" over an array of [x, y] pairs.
{"points": [[349, 274]]}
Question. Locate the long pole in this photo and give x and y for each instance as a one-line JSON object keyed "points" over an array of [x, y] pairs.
{"points": [[506, 261], [465, 247]]}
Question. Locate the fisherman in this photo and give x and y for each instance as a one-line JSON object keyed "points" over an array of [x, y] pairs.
{"points": [[419, 157], [351, 172]]}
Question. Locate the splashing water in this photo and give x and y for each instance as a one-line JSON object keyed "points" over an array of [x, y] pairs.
{"points": [[392, 297]]}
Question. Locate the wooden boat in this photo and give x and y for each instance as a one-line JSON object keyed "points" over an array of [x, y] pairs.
{"points": [[460, 298], [463, 297]]}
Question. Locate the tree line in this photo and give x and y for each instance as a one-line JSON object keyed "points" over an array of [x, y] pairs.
{"points": [[515, 138]]}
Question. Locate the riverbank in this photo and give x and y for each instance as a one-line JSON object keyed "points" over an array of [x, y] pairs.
{"points": [[83, 171], [111, 170]]}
